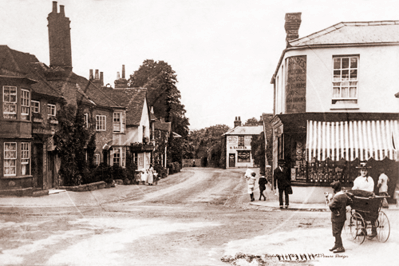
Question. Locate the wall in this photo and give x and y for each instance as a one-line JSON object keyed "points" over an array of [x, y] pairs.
{"points": [[377, 75]]}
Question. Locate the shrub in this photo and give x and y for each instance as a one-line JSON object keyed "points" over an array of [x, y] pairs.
{"points": [[118, 172], [103, 173], [160, 170]]}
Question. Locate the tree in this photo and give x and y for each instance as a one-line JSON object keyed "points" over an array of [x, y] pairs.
{"points": [[258, 151], [70, 140], [253, 122], [160, 80]]}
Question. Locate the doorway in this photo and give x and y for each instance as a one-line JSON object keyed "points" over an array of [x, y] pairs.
{"points": [[232, 160]]}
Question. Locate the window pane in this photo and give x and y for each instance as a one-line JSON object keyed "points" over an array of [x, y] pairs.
{"points": [[352, 92], [345, 92], [353, 62], [336, 93], [345, 63], [354, 74], [337, 74], [345, 74], [337, 63]]}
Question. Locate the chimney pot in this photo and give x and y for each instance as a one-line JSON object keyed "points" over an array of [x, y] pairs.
{"points": [[54, 6], [62, 11], [96, 76], [117, 75], [91, 74], [102, 78], [123, 71]]}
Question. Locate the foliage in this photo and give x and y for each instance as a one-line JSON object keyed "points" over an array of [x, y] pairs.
{"points": [[70, 141], [104, 173], [160, 138], [174, 167], [160, 170], [258, 151], [209, 143], [160, 80], [253, 122]]}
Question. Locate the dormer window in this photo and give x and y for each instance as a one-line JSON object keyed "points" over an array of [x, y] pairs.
{"points": [[118, 120]]}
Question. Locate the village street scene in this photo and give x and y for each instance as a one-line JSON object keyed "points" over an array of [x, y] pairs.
{"points": [[199, 132]]}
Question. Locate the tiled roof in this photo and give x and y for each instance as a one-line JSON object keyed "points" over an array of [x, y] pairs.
{"points": [[245, 130], [163, 126], [353, 33], [131, 98], [94, 94], [24, 64]]}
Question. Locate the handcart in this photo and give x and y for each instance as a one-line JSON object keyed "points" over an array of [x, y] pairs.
{"points": [[363, 212]]}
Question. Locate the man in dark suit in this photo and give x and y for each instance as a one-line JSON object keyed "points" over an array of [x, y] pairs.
{"points": [[282, 175], [338, 215]]}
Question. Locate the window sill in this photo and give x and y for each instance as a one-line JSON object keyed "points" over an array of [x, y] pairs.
{"points": [[344, 107]]}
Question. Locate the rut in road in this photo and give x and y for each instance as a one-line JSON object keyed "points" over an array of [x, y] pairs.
{"points": [[205, 185]]}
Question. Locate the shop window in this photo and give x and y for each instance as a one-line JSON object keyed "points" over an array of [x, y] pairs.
{"points": [[10, 102], [25, 104], [25, 158], [243, 156], [240, 140], [10, 158], [101, 122], [51, 110], [35, 106], [345, 79]]}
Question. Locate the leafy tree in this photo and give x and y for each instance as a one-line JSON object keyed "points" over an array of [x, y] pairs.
{"points": [[253, 122], [258, 151], [160, 80], [70, 140]]}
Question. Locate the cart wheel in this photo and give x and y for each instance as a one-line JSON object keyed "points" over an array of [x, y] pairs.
{"points": [[357, 228], [383, 227], [348, 224]]}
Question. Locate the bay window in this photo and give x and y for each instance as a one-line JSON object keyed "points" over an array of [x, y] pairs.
{"points": [[10, 102], [25, 158], [25, 104], [10, 158]]}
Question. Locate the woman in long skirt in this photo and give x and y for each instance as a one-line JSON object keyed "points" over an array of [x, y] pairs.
{"points": [[150, 175]]}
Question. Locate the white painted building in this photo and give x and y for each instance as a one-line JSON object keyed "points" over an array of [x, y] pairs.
{"points": [[335, 105]]}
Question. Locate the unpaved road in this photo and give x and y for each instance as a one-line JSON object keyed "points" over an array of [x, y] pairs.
{"points": [[191, 218]]}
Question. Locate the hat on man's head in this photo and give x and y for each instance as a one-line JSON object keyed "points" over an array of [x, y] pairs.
{"points": [[363, 165], [281, 161], [253, 174], [336, 185]]}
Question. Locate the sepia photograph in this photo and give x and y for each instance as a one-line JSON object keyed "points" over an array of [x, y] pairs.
{"points": [[199, 132]]}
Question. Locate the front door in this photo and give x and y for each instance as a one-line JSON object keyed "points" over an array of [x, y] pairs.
{"points": [[37, 165], [232, 160]]}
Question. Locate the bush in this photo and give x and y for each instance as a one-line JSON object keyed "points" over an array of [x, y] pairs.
{"points": [[174, 167], [103, 173], [162, 173]]}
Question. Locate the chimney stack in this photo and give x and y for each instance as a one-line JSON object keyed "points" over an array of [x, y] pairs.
{"points": [[237, 122], [292, 24], [121, 82], [59, 33], [91, 74], [102, 78], [123, 71], [96, 76]]}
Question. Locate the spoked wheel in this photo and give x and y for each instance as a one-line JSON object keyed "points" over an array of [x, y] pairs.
{"points": [[357, 228], [348, 224], [383, 227]]}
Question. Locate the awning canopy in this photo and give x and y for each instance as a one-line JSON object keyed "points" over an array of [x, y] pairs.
{"points": [[349, 140]]}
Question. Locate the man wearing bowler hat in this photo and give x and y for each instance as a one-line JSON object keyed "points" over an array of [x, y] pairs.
{"points": [[283, 177]]}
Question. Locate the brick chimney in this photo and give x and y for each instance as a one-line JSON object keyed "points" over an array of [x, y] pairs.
{"points": [[121, 82], [59, 33], [98, 78], [237, 122], [292, 24]]}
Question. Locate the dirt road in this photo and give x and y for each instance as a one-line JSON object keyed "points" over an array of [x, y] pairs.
{"points": [[191, 218]]}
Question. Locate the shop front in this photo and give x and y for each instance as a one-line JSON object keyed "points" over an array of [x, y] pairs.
{"points": [[323, 147]]}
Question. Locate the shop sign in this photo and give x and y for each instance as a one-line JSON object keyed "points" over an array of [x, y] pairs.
{"points": [[239, 148]]}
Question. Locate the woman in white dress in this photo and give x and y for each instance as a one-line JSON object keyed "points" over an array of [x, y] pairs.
{"points": [[144, 176], [150, 175]]}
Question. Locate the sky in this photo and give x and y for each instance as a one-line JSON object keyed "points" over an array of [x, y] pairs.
{"points": [[224, 52]]}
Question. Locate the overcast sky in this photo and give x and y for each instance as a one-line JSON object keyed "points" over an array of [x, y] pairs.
{"points": [[224, 52]]}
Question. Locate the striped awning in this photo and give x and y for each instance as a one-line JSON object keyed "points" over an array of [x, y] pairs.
{"points": [[352, 139]]}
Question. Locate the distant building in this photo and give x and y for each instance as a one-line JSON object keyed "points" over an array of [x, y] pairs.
{"points": [[238, 144], [335, 105]]}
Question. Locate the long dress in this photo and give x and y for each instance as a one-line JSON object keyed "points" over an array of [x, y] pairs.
{"points": [[144, 176], [150, 179]]}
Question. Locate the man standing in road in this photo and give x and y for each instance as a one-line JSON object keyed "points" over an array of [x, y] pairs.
{"points": [[283, 176], [338, 215]]}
